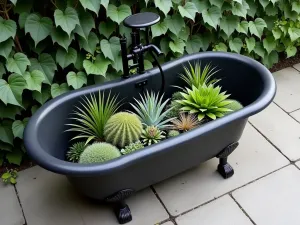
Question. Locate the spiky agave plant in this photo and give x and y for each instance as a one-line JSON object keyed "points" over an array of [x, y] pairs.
{"points": [[150, 110], [152, 135], [205, 101], [196, 76], [91, 118], [185, 122]]}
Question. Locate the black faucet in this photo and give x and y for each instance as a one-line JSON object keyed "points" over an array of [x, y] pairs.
{"points": [[136, 22]]}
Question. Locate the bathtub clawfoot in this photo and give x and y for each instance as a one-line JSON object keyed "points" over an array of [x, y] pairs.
{"points": [[224, 167], [122, 210]]}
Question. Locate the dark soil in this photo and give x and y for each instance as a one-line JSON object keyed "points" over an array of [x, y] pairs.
{"points": [[27, 163], [286, 62]]}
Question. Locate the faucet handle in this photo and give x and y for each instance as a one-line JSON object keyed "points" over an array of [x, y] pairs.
{"points": [[141, 20]]}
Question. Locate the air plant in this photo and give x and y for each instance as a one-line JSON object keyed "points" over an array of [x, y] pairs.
{"points": [[185, 122], [150, 110], [91, 118]]}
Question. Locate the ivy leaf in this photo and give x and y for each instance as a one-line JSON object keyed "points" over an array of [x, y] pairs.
{"points": [[221, 47], [89, 45], [183, 34], [43, 96], [34, 80], [159, 29], [57, 89], [296, 7], [189, 10], [38, 27], [46, 64], [259, 49], [76, 80], [18, 127], [228, 24], [93, 5], [148, 65], [193, 44], [105, 3], [177, 45], [201, 4], [236, 45], [294, 33], [239, 10], [18, 63], [110, 48], [264, 3], [118, 14], [8, 29], [14, 1], [242, 27], [270, 59], [61, 38], [6, 134], [291, 51], [217, 3], [175, 23], [98, 67], [14, 157], [163, 5], [269, 44], [11, 91], [79, 62], [117, 64], [6, 47], [252, 8], [87, 23], [5, 147], [67, 20], [257, 27], [212, 16], [22, 19], [164, 45], [66, 58], [276, 33], [9, 111], [271, 10], [250, 43], [107, 28]]}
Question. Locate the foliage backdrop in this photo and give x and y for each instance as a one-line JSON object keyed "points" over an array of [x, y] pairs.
{"points": [[48, 47]]}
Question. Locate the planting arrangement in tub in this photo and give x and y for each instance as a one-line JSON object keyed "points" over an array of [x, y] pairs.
{"points": [[114, 139]]}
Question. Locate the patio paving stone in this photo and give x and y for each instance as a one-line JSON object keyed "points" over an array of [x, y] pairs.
{"points": [[255, 157], [296, 115], [11, 212], [49, 199], [273, 200], [288, 89], [282, 130], [221, 211], [168, 223], [298, 164]]}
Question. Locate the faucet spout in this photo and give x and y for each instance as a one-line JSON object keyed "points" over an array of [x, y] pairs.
{"points": [[157, 51]]}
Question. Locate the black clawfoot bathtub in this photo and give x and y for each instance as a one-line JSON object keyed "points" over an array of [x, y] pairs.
{"points": [[46, 142]]}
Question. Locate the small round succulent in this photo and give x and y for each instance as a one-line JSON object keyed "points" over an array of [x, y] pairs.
{"points": [[173, 133], [234, 106], [152, 135], [132, 147], [75, 151], [99, 152], [122, 129]]}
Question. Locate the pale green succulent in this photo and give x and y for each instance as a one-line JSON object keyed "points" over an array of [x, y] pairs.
{"points": [[205, 101], [196, 76], [132, 147], [150, 110]]}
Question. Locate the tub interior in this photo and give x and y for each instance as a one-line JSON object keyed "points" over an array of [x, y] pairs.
{"points": [[242, 80]]}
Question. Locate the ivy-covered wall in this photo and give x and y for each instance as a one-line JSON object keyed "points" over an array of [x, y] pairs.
{"points": [[48, 47]]}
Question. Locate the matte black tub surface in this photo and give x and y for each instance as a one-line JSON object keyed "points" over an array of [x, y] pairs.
{"points": [[247, 80]]}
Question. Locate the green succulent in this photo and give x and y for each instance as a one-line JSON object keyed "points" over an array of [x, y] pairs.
{"points": [[234, 106], [152, 135], [174, 106], [99, 152], [91, 117], [195, 76], [122, 129], [132, 147], [75, 151], [205, 101], [150, 110], [173, 133]]}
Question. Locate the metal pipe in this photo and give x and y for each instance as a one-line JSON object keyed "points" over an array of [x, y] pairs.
{"points": [[123, 42]]}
